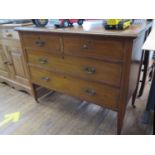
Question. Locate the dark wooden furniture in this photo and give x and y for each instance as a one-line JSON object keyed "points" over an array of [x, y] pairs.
{"points": [[87, 62], [146, 71], [148, 46], [147, 66], [150, 106]]}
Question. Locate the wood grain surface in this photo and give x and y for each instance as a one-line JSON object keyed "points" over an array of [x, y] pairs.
{"points": [[93, 28], [59, 114], [115, 54]]}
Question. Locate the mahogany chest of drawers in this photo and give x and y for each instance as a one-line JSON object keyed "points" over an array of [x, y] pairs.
{"points": [[96, 65]]}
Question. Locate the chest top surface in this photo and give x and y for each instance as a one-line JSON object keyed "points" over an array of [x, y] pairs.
{"points": [[92, 28]]}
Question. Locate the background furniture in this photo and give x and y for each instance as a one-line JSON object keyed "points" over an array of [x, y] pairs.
{"points": [[13, 68], [150, 106], [88, 62], [147, 66]]}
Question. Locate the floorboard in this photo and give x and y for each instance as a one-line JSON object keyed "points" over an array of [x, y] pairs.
{"points": [[59, 114]]}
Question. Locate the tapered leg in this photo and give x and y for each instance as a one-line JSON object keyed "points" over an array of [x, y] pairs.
{"points": [[142, 86], [145, 64], [154, 124], [34, 92], [120, 118], [134, 98]]}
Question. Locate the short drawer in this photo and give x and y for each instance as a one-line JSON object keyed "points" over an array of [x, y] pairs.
{"points": [[45, 42], [90, 91], [90, 69], [9, 34], [94, 47]]}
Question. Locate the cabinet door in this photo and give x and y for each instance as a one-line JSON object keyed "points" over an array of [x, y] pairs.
{"points": [[16, 64], [17, 60], [3, 63], [7, 51]]}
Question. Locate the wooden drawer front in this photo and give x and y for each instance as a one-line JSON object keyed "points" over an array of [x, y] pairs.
{"points": [[90, 91], [50, 43], [80, 67], [9, 34], [94, 48]]}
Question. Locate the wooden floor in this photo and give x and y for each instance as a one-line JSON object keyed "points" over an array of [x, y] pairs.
{"points": [[59, 114]]}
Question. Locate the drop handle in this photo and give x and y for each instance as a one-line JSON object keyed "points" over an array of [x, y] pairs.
{"points": [[43, 60], [89, 70], [45, 79], [85, 46], [90, 92], [40, 43]]}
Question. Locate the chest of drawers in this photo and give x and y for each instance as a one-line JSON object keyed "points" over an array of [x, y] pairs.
{"points": [[100, 67]]}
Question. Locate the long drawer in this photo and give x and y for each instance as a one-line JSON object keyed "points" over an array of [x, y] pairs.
{"points": [[90, 91], [94, 47], [90, 69], [45, 42]]}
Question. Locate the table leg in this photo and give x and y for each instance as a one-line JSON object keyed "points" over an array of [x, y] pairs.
{"points": [[120, 118], [35, 92], [151, 103]]}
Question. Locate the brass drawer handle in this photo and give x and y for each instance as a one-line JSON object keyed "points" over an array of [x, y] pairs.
{"points": [[89, 70], [85, 46], [9, 35], [40, 43], [90, 92], [43, 60], [45, 79]]}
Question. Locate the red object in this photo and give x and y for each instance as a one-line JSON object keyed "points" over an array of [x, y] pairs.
{"points": [[69, 22]]}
